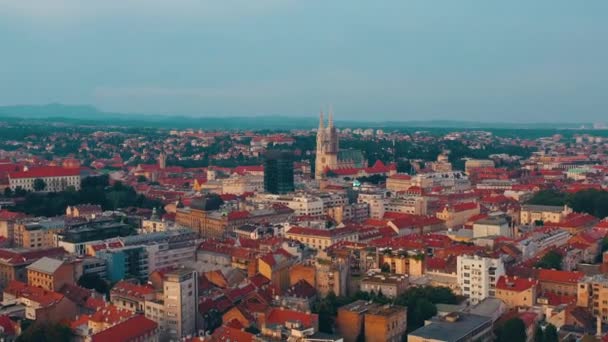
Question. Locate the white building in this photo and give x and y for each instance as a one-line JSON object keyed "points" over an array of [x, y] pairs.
{"points": [[301, 204], [238, 185], [477, 276], [55, 179], [492, 226]]}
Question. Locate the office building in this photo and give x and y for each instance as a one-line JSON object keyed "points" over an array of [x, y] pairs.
{"points": [[278, 172]]}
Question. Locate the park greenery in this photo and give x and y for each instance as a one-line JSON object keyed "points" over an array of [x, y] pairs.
{"points": [[589, 201], [514, 330], [45, 332], [420, 303], [551, 260], [94, 190]]}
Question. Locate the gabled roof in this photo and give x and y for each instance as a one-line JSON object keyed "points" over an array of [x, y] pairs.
{"points": [[132, 329], [125, 288], [280, 316], [556, 276], [45, 265], [35, 294], [516, 284], [227, 333], [47, 171]]}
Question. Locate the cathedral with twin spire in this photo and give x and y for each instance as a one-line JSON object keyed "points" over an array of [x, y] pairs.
{"points": [[329, 156]]}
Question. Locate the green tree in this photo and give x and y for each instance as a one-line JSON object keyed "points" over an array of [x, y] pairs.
{"points": [[385, 267], [141, 179], [538, 334], [8, 192], [514, 330], [551, 260], [43, 332], [423, 309], [39, 184], [550, 334], [94, 282]]}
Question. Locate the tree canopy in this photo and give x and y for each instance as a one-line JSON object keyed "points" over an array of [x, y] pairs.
{"points": [[589, 201], [514, 330], [551, 260]]}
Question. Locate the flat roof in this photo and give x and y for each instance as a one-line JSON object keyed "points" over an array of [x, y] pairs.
{"points": [[442, 330]]}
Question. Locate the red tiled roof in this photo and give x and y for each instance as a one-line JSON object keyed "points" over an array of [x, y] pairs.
{"points": [[8, 326], [47, 171], [556, 276], [280, 316], [125, 288], [516, 284], [225, 333], [33, 293], [110, 314], [238, 215], [10, 215], [132, 329]]}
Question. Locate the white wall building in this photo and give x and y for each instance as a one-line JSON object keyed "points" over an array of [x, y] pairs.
{"points": [[477, 276]]}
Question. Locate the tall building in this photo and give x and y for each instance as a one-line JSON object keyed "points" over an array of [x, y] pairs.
{"points": [[329, 156], [180, 292], [162, 161], [278, 172], [477, 276]]}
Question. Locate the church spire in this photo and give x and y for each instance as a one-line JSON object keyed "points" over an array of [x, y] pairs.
{"points": [[321, 119], [330, 123]]}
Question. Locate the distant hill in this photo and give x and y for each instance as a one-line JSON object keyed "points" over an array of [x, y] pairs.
{"points": [[89, 115]]}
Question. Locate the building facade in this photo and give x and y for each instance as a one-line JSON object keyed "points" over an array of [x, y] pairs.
{"points": [[278, 172], [477, 276]]}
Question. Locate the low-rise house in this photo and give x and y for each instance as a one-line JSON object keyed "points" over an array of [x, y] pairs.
{"points": [[40, 304], [132, 297], [517, 291], [51, 274]]}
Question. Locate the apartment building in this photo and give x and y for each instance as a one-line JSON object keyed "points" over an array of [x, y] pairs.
{"points": [[320, 238], [37, 233], [592, 294], [390, 285], [180, 297], [51, 274], [477, 276]]}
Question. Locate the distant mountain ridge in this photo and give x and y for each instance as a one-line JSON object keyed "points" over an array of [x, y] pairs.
{"points": [[86, 114]]}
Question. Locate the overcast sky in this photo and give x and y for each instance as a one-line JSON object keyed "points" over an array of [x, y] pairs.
{"points": [[517, 60]]}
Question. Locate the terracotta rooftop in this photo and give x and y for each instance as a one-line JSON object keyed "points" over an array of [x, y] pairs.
{"points": [[125, 288], [516, 284], [571, 277], [132, 329]]}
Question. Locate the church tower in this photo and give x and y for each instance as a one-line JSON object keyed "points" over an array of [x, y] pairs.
{"points": [[327, 147]]}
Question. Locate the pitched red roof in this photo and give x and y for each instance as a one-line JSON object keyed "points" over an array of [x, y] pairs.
{"points": [[516, 284], [46, 171], [129, 289], [227, 333], [280, 316], [238, 215], [33, 293], [556, 276], [132, 329]]}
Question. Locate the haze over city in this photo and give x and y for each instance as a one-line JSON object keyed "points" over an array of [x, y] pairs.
{"points": [[511, 61]]}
